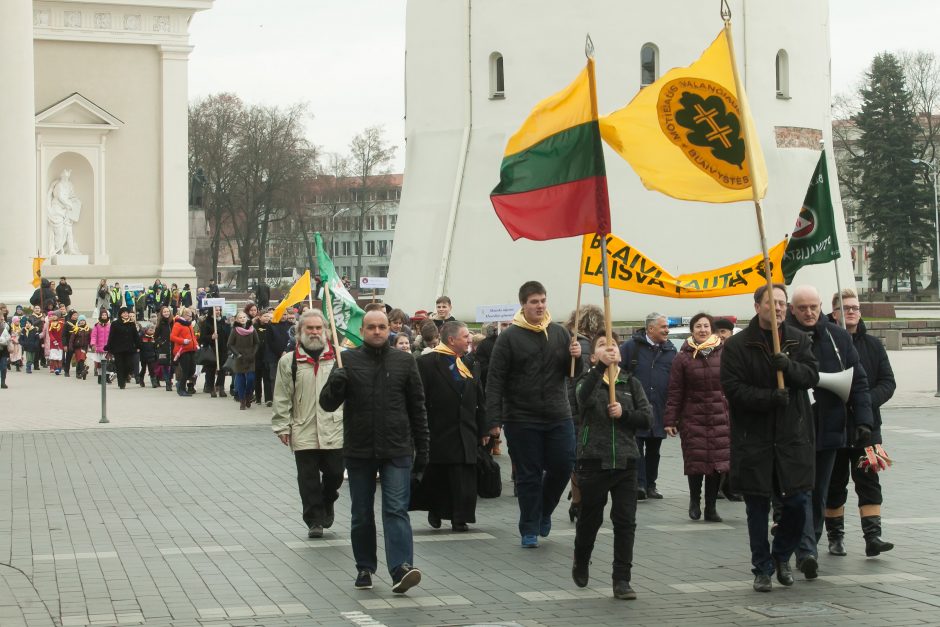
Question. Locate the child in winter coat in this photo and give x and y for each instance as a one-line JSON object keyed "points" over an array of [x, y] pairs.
{"points": [[99, 339], [606, 462], [31, 342], [16, 350], [148, 355], [55, 327], [79, 340]]}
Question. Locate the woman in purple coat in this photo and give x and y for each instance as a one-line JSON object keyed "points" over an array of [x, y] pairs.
{"points": [[696, 409]]}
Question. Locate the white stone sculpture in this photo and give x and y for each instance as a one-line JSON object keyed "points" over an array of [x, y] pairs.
{"points": [[64, 210]]}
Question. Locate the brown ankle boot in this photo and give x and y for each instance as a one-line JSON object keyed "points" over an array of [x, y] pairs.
{"points": [[214, 392], [243, 404]]}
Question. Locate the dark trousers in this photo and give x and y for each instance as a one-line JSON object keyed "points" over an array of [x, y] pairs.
{"points": [[135, 365], [67, 361], [186, 365], [816, 508], [213, 378], [543, 455], [867, 486], [595, 486], [648, 465], [263, 388], [319, 476], [789, 529], [711, 482], [122, 364], [4, 365], [450, 492]]}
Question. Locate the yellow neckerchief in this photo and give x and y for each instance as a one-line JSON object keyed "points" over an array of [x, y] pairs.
{"points": [[616, 377], [55, 326], [712, 341], [461, 367], [542, 327]]}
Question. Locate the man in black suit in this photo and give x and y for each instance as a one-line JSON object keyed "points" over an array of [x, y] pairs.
{"points": [[457, 422]]}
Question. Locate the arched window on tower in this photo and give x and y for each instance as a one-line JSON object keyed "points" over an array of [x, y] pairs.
{"points": [[497, 78], [783, 75], [649, 64]]}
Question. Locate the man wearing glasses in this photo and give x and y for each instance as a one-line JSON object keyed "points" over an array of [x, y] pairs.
{"points": [[874, 358], [838, 424]]}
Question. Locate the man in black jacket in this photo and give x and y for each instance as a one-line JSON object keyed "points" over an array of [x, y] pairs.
{"points": [[832, 347], [874, 359], [63, 292], [123, 342], [526, 392], [44, 297], [772, 443], [385, 430]]}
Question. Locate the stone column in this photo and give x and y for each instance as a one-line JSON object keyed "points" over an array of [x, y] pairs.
{"points": [[174, 164], [18, 209]]}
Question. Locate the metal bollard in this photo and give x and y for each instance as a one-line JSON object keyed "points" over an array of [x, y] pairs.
{"points": [[104, 392], [938, 368]]}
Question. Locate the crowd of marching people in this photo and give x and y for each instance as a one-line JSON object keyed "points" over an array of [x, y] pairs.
{"points": [[425, 401]]}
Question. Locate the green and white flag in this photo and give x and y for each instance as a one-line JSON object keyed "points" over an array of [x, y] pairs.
{"points": [[346, 313], [814, 236]]}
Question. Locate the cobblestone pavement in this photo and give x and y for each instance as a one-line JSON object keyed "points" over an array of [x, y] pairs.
{"points": [[165, 525]]}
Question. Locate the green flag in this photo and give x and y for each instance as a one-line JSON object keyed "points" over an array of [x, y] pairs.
{"points": [[346, 313], [814, 236]]}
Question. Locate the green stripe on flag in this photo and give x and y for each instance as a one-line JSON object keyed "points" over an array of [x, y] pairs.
{"points": [[347, 314]]}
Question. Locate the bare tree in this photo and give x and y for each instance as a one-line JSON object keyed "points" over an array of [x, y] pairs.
{"points": [[369, 156]]}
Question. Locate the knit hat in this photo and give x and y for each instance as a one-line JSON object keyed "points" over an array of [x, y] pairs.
{"points": [[724, 323], [82, 318]]}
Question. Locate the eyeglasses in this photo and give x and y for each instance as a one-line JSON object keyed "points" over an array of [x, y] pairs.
{"points": [[852, 309]]}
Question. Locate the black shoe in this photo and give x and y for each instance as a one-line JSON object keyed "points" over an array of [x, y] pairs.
{"points": [[653, 493], [459, 527], [4, 386], [640, 494], [711, 514], [784, 574], [434, 520], [809, 567], [404, 578], [695, 508], [364, 580], [580, 573], [328, 515], [622, 590], [67, 375], [315, 531], [762, 583], [267, 403]]}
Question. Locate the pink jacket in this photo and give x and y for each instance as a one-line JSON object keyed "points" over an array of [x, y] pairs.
{"points": [[99, 337]]}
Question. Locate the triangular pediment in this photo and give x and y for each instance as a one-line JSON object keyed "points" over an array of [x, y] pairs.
{"points": [[77, 111]]}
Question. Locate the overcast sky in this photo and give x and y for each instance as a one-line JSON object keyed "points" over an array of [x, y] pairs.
{"points": [[331, 53]]}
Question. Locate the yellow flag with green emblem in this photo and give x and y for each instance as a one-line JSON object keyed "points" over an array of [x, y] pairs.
{"points": [[684, 134]]}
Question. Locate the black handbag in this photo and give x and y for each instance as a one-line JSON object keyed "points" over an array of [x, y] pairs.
{"points": [[205, 356], [229, 365], [489, 479]]}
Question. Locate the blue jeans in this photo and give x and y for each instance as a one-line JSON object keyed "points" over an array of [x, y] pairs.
{"points": [[789, 529], [395, 475], [4, 365], [543, 454], [816, 506], [244, 385]]}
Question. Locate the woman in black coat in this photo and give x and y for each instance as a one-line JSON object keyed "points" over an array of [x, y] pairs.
{"points": [[215, 380], [457, 423], [123, 342]]}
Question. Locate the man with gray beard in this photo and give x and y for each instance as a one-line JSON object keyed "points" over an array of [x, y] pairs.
{"points": [[313, 434]]}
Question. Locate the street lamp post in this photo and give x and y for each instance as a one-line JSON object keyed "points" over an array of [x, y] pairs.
{"points": [[932, 166]]}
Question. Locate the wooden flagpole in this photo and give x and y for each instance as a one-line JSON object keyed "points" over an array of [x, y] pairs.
{"points": [[601, 200], [748, 158], [577, 313], [329, 308]]}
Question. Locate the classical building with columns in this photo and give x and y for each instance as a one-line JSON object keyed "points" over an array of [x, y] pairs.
{"points": [[93, 163]]}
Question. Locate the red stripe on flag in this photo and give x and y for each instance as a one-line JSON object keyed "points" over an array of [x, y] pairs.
{"points": [[565, 210]]}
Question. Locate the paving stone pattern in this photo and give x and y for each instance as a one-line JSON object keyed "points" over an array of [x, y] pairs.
{"points": [[200, 526]]}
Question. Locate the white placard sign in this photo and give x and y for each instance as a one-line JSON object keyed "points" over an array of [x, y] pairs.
{"points": [[229, 310], [213, 302], [496, 313], [373, 282], [133, 287]]}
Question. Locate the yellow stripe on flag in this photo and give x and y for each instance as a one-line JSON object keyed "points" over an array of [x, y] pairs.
{"points": [[299, 292], [683, 134], [37, 271], [569, 107]]}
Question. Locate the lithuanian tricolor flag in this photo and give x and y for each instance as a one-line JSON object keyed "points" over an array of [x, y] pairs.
{"points": [[552, 182]]}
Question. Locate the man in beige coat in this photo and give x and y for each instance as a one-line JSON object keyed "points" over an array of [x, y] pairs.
{"points": [[314, 434]]}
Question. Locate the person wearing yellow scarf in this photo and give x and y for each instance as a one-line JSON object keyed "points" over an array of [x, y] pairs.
{"points": [[706, 346], [461, 367], [539, 327]]}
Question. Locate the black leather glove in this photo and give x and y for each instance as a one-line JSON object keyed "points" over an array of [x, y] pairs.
{"points": [[781, 361], [781, 398], [862, 436], [420, 463]]}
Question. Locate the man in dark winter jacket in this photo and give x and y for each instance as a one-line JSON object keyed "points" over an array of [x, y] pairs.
{"points": [[262, 295], [648, 355], [276, 342], [63, 292], [385, 430], [526, 392], [772, 436], [44, 297], [832, 347], [874, 359]]}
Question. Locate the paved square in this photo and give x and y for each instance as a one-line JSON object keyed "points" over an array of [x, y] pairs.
{"points": [[177, 522]]}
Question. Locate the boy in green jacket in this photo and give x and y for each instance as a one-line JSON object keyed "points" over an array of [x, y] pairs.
{"points": [[606, 462]]}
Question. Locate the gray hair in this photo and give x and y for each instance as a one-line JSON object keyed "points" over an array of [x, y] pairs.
{"points": [[308, 313], [450, 329], [651, 318]]}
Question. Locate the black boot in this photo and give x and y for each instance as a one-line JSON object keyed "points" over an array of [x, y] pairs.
{"points": [[871, 530], [153, 382], [835, 531], [169, 385], [695, 507]]}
